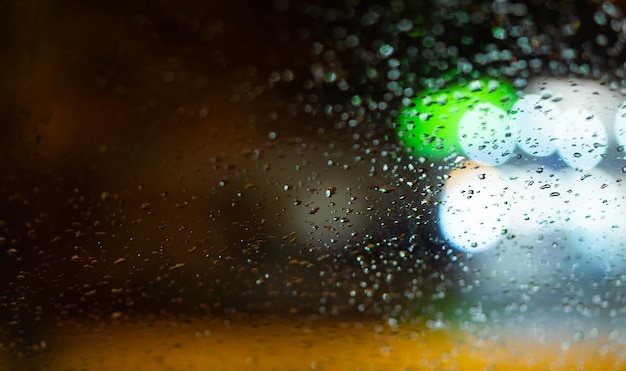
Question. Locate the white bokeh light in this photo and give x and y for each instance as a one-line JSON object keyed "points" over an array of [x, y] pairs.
{"points": [[485, 135], [534, 121], [574, 93], [473, 213], [536, 204], [516, 206], [577, 208], [582, 139], [620, 124], [598, 214]]}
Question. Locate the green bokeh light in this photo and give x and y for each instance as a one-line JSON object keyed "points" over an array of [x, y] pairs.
{"points": [[428, 127]]}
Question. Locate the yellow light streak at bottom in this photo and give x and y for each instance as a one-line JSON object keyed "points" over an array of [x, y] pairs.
{"points": [[271, 343]]}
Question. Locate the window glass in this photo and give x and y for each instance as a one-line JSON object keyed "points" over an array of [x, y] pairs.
{"points": [[299, 184]]}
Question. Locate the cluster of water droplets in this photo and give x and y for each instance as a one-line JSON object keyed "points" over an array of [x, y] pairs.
{"points": [[366, 61]]}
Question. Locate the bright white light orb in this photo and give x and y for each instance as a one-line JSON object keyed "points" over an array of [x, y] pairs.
{"points": [[473, 213], [572, 207], [590, 111], [582, 139], [538, 200], [485, 135], [620, 124], [599, 213], [583, 212], [534, 121]]}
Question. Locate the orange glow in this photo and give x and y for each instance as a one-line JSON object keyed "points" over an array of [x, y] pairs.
{"points": [[271, 343]]}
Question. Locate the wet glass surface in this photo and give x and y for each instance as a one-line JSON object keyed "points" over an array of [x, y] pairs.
{"points": [[423, 185]]}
